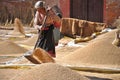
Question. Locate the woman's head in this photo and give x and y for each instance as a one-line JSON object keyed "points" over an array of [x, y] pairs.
{"points": [[39, 5]]}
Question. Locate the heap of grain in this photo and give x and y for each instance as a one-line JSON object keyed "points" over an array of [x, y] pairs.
{"points": [[8, 47], [98, 53], [18, 29], [1, 40], [6, 74], [49, 71], [109, 35], [30, 42]]}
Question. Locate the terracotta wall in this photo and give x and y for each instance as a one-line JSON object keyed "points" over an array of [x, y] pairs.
{"points": [[112, 11], [51, 2], [111, 8], [10, 9], [65, 7]]}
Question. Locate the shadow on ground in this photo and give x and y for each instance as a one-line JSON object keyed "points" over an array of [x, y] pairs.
{"points": [[97, 78]]}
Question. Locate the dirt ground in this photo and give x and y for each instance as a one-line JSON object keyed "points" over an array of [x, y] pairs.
{"points": [[61, 51]]}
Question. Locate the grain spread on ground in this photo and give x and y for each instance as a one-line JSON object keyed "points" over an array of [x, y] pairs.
{"points": [[30, 42], [109, 36], [1, 40], [9, 47], [49, 71], [7, 74], [97, 53]]}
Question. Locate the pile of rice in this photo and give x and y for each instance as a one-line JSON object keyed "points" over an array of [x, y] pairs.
{"points": [[30, 42], [1, 40], [109, 36], [9, 47], [49, 71], [18, 29], [7, 74], [100, 52]]}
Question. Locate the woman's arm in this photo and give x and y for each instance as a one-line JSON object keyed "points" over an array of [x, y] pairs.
{"points": [[36, 21]]}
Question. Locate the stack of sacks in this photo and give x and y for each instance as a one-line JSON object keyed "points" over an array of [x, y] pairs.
{"points": [[100, 26], [80, 27], [88, 28], [76, 27], [91, 27], [68, 26]]}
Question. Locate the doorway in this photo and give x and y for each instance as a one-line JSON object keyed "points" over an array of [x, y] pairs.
{"points": [[91, 10]]}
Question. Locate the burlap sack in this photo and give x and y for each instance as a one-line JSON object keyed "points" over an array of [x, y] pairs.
{"points": [[100, 26], [75, 27], [68, 26], [79, 29], [88, 29]]}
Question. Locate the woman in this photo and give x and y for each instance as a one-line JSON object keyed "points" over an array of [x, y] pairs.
{"points": [[46, 40]]}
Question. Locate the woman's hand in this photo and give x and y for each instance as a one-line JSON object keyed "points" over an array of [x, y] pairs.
{"points": [[43, 28], [39, 27]]}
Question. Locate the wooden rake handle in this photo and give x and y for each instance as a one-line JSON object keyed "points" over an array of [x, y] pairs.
{"points": [[40, 33]]}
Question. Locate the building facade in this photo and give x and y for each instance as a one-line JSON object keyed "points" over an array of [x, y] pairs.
{"points": [[93, 10], [106, 11]]}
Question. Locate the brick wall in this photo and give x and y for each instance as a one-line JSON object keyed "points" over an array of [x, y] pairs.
{"points": [[112, 10], [10, 9]]}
